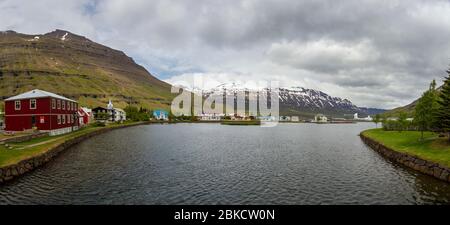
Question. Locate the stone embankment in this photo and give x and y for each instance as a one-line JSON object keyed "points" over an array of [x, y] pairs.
{"points": [[10, 172], [427, 167]]}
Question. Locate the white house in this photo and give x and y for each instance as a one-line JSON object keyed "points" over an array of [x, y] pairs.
{"points": [[285, 118], [267, 118], [120, 115], [368, 118], [211, 117], [320, 118]]}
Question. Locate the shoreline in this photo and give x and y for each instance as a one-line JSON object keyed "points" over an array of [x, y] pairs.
{"points": [[16, 170], [418, 164]]}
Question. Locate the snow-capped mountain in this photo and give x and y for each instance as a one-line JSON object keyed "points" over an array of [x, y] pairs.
{"points": [[302, 101], [313, 100]]}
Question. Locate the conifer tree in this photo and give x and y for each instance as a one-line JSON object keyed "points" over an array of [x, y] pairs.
{"points": [[425, 109], [443, 113]]}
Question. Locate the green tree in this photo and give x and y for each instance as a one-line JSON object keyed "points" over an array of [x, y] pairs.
{"points": [[443, 112], [424, 114], [377, 120], [135, 114], [402, 121]]}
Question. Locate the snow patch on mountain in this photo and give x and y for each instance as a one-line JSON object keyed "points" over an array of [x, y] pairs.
{"points": [[298, 99]]}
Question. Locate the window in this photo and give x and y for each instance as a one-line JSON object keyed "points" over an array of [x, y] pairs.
{"points": [[17, 105], [64, 105], [68, 119], [59, 119], [63, 119], [53, 103], [32, 103], [59, 104]]}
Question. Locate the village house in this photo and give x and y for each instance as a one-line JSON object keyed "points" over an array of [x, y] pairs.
{"points": [[85, 116], [41, 110], [109, 114], [356, 117], [320, 118], [267, 118], [161, 115], [285, 118], [100, 114], [115, 114], [210, 117]]}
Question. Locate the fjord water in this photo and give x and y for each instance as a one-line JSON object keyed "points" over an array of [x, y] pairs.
{"points": [[214, 164]]}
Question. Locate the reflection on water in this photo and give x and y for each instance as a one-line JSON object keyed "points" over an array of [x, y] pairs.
{"points": [[214, 164]]}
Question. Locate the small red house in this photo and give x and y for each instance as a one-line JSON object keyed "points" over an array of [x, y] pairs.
{"points": [[85, 116], [41, 110]]}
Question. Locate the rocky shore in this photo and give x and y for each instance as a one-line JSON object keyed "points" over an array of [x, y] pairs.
{"points": [[427, 167]]}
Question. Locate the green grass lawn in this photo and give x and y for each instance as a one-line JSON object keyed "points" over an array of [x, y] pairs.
{"points": [[432, 148], [28, 149]]}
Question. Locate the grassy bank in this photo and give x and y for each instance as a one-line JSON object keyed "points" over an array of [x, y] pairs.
{"points": [[28, 149], [433, 148]]}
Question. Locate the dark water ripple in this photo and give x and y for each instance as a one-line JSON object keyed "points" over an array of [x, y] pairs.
{"points": [[213, 164]]}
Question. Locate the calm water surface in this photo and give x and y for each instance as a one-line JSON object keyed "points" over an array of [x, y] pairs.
{"points": [[214, 164]]}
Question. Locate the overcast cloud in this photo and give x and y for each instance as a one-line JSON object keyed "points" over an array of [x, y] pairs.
{"points": [[375, 53]]}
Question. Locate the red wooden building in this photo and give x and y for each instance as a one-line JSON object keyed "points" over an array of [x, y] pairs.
{"points": [[41, 110], [85, 116]]}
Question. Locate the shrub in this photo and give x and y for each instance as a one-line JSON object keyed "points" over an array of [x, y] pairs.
{"points": [[98, 124]]}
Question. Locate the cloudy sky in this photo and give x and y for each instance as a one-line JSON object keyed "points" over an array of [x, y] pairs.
{"points": [[375, 53]]}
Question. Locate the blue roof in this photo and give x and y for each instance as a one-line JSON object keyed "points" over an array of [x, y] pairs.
{"points": [[159, 112]]}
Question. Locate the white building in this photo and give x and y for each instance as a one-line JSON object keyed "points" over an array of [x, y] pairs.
{"points": [[116, 114], [285, 118], [320, 118], [368, 118], [211, 117], [267, 118]]}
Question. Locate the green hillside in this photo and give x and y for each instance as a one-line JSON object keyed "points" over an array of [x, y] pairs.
{"points": [[408, 109], [74, 66]]}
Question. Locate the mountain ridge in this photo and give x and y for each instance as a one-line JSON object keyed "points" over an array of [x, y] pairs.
{"points": [[303, 102], [74, 66]]}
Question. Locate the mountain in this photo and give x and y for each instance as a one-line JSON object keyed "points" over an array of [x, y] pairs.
{"points": [[298, 101], [372, 111], [408, 109], [78, 68]]}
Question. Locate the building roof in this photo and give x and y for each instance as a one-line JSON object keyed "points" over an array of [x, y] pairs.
{"points": [[84, 110], [120, 110], [99, 108], [36, 93], [88, 110]]}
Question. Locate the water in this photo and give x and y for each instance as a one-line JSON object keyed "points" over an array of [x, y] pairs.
{"points": [[214, 164]]}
